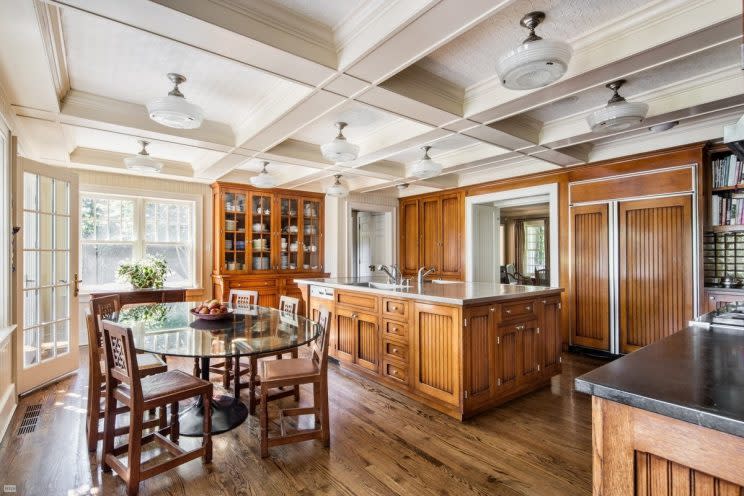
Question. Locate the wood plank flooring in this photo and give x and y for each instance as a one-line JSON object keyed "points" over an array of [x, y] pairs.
{"points": [[381, 443]]}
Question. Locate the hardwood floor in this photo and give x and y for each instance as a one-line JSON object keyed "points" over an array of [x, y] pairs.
{"points": [[381, 443]]}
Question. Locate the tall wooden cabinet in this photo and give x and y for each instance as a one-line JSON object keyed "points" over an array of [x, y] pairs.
{"points": [[431, 234], [264, 238]]}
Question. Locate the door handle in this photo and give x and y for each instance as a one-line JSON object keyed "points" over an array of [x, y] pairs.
{"points": [[76, 285]]}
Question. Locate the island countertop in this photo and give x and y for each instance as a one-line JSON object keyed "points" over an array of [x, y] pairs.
{"points": [[448, 292], [695, 375]]}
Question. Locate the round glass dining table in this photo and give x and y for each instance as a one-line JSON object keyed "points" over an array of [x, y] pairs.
{"points": [[171, 329]]}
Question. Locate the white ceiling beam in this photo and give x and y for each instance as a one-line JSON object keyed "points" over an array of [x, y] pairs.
{"points": [[113, 160]]}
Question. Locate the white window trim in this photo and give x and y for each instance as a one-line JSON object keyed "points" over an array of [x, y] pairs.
{"points": [[99, 191]]}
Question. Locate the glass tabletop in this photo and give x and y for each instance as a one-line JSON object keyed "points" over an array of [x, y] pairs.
{"points": [[171, 329]]}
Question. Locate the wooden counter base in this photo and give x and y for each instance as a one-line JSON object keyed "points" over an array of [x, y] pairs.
{"points": [[637, 452], [459, 360]]}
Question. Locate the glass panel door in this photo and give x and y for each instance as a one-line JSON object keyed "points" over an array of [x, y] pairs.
{"points": [[235, 222], [310, 235], [289, 248], [47, 268], [261, 230]]}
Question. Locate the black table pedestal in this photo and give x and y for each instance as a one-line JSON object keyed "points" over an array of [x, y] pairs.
{"points": [[228, 412]]}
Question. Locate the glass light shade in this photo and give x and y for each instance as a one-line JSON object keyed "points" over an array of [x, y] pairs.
{"points": [[337, 189], [143, 163], [340, 150], [617, 116], [263, 180], [533, 64], [426, 168], [174, 111]]}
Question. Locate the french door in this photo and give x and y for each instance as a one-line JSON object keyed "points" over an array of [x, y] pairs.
{"points": [[47, 268]]}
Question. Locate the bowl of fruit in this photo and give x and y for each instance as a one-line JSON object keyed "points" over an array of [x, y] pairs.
{"points": [[211, 310]]}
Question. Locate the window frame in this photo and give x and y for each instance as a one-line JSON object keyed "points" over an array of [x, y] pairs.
{"points": [[140, 242], [533, 223]]}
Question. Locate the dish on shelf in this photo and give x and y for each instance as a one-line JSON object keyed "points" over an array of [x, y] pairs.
{"points": [[259, 227]]}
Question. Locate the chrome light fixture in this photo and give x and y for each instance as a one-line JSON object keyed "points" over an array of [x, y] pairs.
{"points": [[263, 179], [536, 62], [173, 110], [143, 162], [426, 167], [337, 190], [619, 114], [339, 150]]}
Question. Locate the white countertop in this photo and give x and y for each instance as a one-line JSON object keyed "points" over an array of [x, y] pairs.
{"points": [[456, 293]]}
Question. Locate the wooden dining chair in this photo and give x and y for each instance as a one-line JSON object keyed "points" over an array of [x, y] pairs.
{"points": [[289, 304], [238, 298], [139, 394], [148, 364], [294, 372]]}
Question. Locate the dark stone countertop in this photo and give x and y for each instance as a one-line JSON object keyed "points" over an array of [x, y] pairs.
{"points": [[695, 375]]}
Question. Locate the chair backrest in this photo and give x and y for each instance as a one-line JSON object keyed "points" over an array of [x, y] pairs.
{"points": [[243, 298], [289, 304], [121, 357], [541, 277], [320, 346], [95, 350], [103, 307]]}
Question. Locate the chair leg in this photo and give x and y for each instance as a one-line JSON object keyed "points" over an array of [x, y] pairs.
{"points": [[162, 417], [325, 421], [197, 369], [134, 453], [174, 423], [207, 439], [226, 373], [316, 403], [109, 426], [93, 416], [295, 354], [264, 421], [252, 386]]}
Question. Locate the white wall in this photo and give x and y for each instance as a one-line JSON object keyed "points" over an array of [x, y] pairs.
{"points": [[486, 243]]}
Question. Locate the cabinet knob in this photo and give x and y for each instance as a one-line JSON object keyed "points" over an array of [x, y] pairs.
{"points": [[520, 327], [395, 350], [508, 310], [493, 309], [354, 316], [528, 308]]}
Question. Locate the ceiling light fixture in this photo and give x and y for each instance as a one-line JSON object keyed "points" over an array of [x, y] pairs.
{"points": [[173, 110], [426, 167], [337, 189], [339, 150], [143, 162], [402, 186], [263, 179], [666, 126], [536, 62], [619, 114]]}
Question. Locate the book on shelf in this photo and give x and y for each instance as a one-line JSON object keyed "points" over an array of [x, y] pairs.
{"points": [[727, 171], [727, 211]]}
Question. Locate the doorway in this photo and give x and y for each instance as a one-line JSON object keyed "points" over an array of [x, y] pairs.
{"points": [[371, 241]]}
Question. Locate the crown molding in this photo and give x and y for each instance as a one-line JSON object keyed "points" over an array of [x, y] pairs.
{"points": [[359, 20]]}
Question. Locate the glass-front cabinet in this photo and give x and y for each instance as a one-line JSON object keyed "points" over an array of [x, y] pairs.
{"points": [[266, 231]]}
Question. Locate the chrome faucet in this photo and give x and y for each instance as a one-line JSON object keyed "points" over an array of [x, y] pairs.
{"points": [[423, 272], [394, 275]]}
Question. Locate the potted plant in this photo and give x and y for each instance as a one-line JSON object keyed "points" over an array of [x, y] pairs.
{"points": [[146, 273]]}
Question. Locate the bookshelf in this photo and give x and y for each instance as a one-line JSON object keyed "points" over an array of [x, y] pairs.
{"points": [[725, 178]]}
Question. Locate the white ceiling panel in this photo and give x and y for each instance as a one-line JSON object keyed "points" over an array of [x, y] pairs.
{"points": [[454, 149], [330, 13], [229, 92]]}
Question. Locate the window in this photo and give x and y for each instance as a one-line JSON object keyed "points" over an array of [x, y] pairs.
{"points": [[534, 245], [115, 229]]}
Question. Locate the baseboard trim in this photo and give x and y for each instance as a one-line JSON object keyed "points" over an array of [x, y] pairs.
{"points": [[8, 406]]}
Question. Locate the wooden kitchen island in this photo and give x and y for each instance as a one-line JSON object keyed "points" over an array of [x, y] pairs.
{"points": [[458, 347]]}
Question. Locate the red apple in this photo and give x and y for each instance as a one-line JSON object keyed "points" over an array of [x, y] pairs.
{"points": [[204, 311], [214, 311]]}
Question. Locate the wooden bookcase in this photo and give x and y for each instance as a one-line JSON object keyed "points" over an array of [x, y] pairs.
{"points": [[264, 238]]}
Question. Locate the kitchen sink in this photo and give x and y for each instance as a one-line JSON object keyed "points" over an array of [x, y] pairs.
{"points": [[443, 281], [380, 285]]}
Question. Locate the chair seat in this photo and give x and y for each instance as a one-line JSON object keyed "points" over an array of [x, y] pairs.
{"points": [[148, 364], [295, 368], [167, 387]]}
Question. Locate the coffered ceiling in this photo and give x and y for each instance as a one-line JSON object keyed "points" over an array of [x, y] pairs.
{"points": [[274, 75]]}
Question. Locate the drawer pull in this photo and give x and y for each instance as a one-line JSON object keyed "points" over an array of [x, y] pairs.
{"points": [[354, 316], [520, 327], [393, 307], [493, 309], [508, 310], [395, 330], [528, 308], [395, 350]]}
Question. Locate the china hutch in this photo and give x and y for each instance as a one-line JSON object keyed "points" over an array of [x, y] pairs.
{"points": [[264, 238]]}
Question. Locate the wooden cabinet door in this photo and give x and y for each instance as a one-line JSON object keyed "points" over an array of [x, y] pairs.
{"points": [[409, 231], [655, 262], [529, 356], [431, 233], [344, 334], [436, 345], [590, 277], [479, 342], [367, 337], [507, 345], [550, 331], [452, 228]]}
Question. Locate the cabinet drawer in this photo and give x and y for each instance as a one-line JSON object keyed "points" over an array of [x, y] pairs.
{"points": [[518, 326], [395, 350], [395, 309], [395, 329], [266, 283], [357, 300], [398, 373], [522, 310]]}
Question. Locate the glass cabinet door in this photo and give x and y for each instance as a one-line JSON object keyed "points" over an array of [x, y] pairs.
{"points": [[311, 235], [261, 229], [235, 222], [290, 245]]}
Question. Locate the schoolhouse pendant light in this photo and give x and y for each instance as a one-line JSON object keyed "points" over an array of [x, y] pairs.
{"points": [[426, 167], [536, 62], [337, 190], [143, 162], [619, 114], [339, 150], [174, 110], [264, 179]]}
